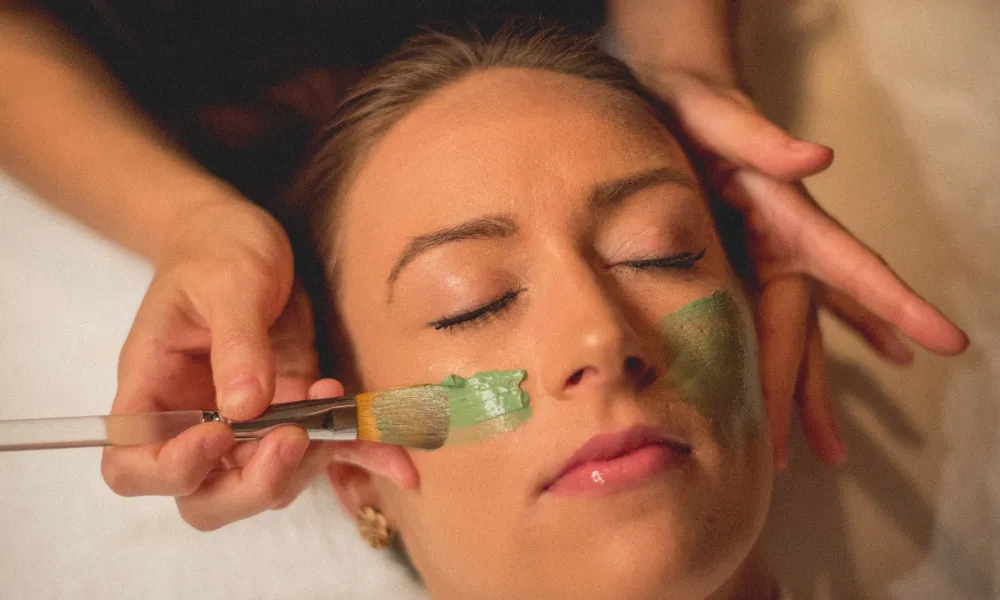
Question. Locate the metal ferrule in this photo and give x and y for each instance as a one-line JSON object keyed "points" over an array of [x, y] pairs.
{"points": [[327, 419]]}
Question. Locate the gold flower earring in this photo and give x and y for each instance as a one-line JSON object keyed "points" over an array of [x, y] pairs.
{"points": [[374, 527]]}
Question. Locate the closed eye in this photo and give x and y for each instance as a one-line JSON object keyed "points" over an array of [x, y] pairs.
{"points": [[683, 261], [478, 315]]}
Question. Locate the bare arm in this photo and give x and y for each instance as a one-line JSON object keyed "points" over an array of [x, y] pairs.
{"points": [[223, 275], [73, 136]]}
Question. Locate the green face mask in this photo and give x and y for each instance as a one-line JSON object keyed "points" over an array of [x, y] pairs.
{"points": [[485, 405], [711, 351]]}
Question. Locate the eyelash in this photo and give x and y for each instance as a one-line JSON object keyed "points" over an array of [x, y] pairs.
{"points": [[684, 261], [478, 315]]}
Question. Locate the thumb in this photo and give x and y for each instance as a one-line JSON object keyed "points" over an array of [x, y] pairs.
{"points": [[243, 368]]}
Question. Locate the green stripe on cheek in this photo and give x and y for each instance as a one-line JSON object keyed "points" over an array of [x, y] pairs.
{"points": [[711, 351], [485, 405]]}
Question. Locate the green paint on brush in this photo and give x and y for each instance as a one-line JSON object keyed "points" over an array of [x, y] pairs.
{"points": [[711, 350], [456, 412], [485, 405]]}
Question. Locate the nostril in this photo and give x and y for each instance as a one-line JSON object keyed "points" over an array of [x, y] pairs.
{"points": [[634, 365], [636, 370], [575, 378], [648, 377]]}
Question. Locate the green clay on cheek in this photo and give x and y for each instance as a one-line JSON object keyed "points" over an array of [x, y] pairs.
{"points": [[711, 353], [485, 405]]}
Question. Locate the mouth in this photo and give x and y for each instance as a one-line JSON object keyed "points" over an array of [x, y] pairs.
{"points": [[611, 463]]}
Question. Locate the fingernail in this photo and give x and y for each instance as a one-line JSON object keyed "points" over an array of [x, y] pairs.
{"points": [[239, 395], [292, 450], [801, 147], [214, 447]]}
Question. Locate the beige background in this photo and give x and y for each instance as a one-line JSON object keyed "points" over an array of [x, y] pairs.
{"points": [[906, 92]]}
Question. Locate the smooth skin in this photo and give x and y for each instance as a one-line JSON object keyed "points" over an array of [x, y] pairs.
{"points": [[528, 148], [222, 323]]}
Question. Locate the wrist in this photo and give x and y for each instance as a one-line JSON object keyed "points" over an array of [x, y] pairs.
{"points": [[677, 35]]}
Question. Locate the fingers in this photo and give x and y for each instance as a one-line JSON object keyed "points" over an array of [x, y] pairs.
{"points": [[264, 474], [880, 335], [263, 484], [274, 475], [326, 388], [862, 275], [782, 309], [385, 460], [724, 122], [243, 368], [175, 468], [818, 419], [811, 242]]}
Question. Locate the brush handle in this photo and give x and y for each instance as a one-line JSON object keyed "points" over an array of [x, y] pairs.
{"points": [[83, 432], [327, 419]]}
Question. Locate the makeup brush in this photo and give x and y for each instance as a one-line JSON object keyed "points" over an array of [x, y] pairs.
{"points": [[457, 411], [416, 417]]}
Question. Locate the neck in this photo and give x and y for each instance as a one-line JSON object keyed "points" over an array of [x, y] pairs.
{"points": [[752, 581]]}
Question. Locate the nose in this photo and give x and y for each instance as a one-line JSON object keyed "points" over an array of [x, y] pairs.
{"points": [[590, 346]]}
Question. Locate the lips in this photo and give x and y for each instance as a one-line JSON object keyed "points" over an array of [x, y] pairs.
{"points": [[610, 463]]}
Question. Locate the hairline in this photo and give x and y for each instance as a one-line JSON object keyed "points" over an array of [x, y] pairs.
{"points": [[621, 101]]}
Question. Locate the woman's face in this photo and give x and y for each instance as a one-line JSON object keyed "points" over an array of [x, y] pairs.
{"points": [[550, 224]]}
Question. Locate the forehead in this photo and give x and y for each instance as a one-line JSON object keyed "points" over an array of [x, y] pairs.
{"points": [[517, 141]]}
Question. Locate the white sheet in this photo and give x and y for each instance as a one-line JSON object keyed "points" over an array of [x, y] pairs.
{"points": [[67, 300]]}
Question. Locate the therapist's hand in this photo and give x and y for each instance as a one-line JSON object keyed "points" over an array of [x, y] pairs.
{"points": [[221, 325], [802, 258]]}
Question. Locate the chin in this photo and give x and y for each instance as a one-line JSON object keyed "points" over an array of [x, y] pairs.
{"points": [[671, 541], [660, 559]]}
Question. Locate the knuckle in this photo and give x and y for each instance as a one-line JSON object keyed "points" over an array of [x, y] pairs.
{"points": [[183, 474], [183, 483]]}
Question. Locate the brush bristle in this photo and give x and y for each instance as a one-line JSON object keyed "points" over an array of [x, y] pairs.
{"points": [[416, 417]]}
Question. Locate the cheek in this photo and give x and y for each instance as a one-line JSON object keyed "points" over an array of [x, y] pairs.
{"points": [[711, 352], [460, 518]]}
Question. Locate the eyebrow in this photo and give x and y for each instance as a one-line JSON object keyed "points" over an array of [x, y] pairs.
{"points": [[614, 192], [503, 226], [484, 228]]}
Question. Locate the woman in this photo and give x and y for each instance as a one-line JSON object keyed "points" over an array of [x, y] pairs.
{"points": [[515, 203]]}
